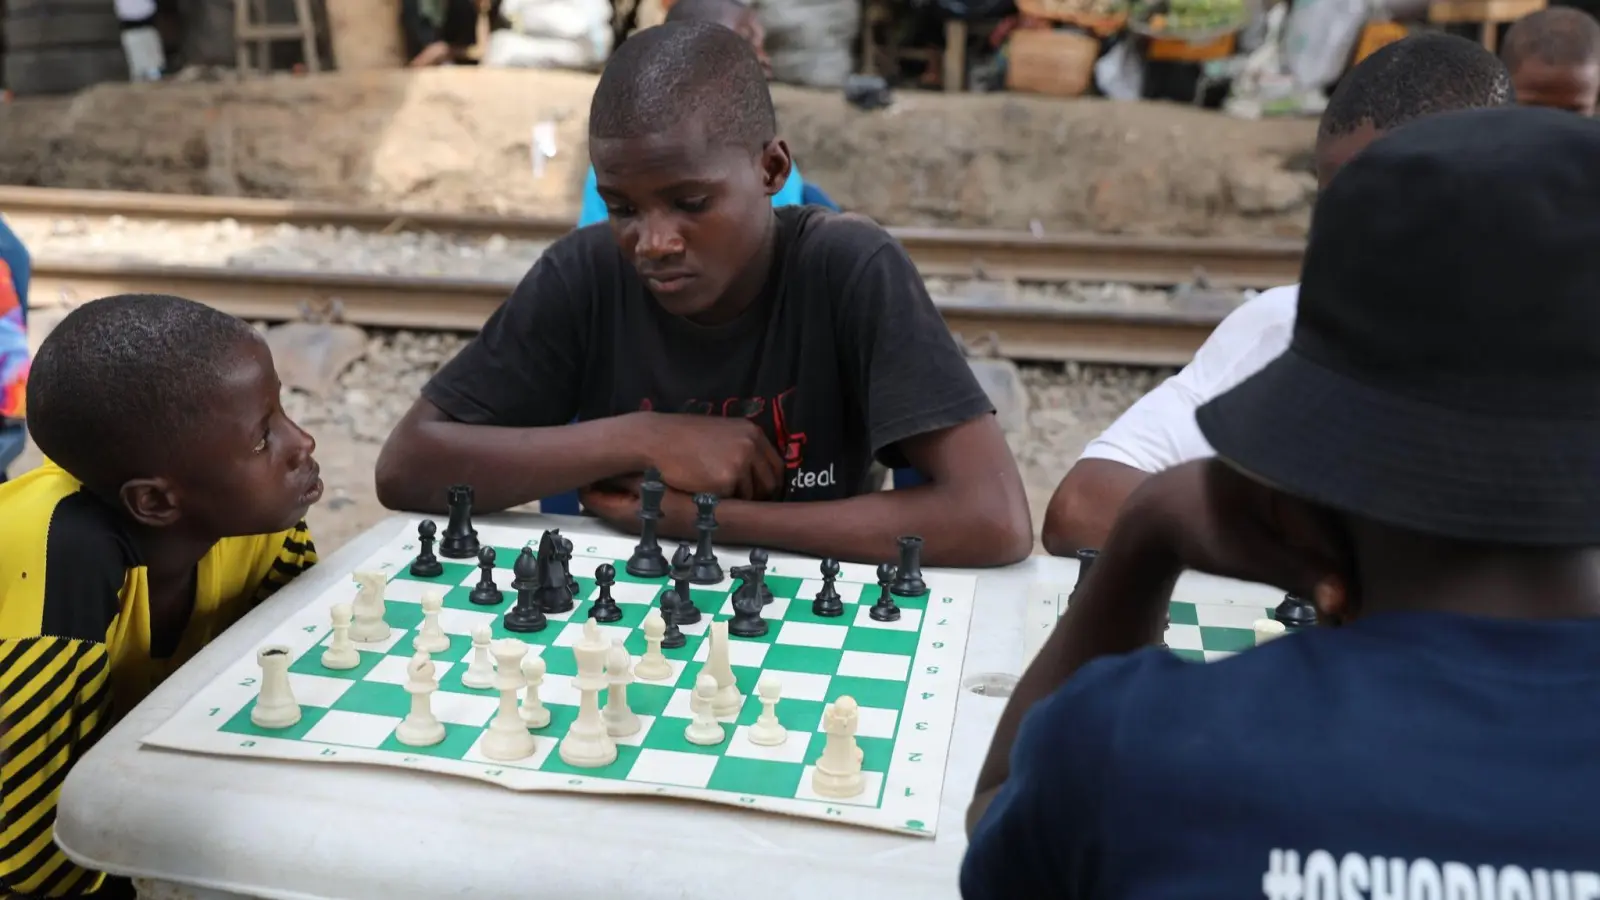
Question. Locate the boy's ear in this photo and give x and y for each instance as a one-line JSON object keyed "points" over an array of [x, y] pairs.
{"points": [[776, 165], [150, 501]]}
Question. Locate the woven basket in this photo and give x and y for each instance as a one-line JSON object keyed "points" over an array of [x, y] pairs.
{"points": [[1057, 63]]}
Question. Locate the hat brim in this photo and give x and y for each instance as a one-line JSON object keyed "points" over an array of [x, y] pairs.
{"points": [[1328, 438]]}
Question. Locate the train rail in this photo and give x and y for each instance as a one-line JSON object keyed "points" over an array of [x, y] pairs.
{"points": [[1024, 331]]}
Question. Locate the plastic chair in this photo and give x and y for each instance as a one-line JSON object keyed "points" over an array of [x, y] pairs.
{"points": [[567, 504]]}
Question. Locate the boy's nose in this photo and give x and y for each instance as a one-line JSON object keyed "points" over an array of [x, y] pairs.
{"points": [[658, 239], [307, 445]]}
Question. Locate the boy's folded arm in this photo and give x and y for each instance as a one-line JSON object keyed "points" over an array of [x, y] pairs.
{"points": [[506, 466], [54, 705], [1085, 504], [972, 512], [497, 415], [923, 407]]}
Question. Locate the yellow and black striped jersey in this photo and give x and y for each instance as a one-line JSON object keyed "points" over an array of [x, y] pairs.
{"points": [[75, 649]]}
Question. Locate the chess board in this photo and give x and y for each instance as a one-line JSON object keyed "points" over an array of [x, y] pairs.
{"points": [[905, 676], [1212, 618]]}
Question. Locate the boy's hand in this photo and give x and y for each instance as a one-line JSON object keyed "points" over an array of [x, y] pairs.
{"points": [[1208, 516], [616, 502], [730, 458]]}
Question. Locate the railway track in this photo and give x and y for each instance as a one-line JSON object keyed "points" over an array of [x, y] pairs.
{"points": [[1023, 331]]}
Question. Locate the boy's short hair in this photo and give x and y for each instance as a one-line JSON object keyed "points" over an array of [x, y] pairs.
{"points": [[1557, 36], [1412, 78], [122, 379], [665, 75]]}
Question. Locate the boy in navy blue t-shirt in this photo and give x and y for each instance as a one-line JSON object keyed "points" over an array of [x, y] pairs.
{"points": [[1424, 462]]}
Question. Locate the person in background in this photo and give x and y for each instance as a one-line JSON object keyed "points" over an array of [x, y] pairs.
{"points": [[742, 20], [439, 32], [15, 272], [1554, 59], [141, 40], [1414, 77]]}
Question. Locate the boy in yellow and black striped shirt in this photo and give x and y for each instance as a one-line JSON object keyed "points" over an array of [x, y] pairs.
{"points": [[172, 503]]}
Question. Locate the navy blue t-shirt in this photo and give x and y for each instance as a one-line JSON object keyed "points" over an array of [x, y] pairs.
{"points": [[1408, 756]]}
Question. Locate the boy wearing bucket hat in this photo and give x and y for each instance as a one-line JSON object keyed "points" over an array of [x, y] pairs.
{"points": [[1424, 461]]}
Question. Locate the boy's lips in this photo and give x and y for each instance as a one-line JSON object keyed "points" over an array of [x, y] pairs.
{"points": [[668, 282], [313, 490]]}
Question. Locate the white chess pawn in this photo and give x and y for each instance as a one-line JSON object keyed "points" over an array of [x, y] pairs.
{"points": [[480, 671], [653, 666], [620, 719], [838, 771], [341, 653], [368, 609], [1267, 629], [768, 731], [534, 713], [705, 730], [507, 737], [420, 728], [275, 706], [431, 637]]}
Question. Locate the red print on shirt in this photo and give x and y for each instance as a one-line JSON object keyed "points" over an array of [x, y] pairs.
{"points": [[771, 413]]}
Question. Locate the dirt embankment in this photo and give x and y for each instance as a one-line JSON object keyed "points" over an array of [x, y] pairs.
{"points": [[464, 139]]}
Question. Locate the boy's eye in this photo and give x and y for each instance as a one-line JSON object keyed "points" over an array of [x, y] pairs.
{"points": [[694, 204], [619, 212], [262, 444]]}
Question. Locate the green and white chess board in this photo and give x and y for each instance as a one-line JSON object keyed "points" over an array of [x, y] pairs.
{"points": [[1212, 618], [905, 676]]}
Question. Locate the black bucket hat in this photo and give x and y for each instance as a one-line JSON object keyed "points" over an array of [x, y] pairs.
{"points": [[1444, 375]]}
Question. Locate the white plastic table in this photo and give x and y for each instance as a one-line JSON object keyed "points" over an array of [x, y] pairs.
{"points": [[215, 828]]}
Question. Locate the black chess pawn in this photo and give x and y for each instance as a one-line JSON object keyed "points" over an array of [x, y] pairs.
{"points": [[682, 578], [647, 560], [908, 578], [426, 565], [706, 568], [1296, 612], [885, 610], [460, 538], [526, 616], [672, 638], [487, 593], [605, 608], [828, 603]]}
